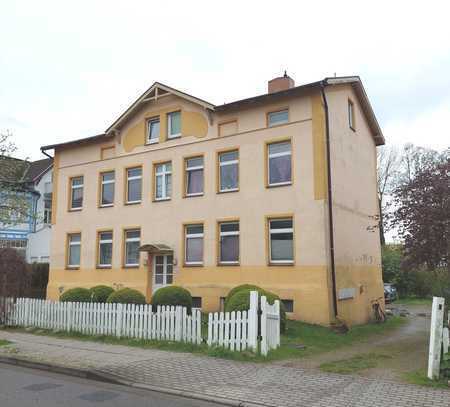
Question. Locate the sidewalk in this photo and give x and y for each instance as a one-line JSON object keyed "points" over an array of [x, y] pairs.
{"points": [[262, 384]]}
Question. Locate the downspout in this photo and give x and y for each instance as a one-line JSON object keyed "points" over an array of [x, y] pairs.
{"points": [[330, 197], [45, 153]]}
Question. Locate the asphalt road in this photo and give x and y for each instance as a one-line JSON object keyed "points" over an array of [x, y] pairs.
{"points": [[20, 387]]}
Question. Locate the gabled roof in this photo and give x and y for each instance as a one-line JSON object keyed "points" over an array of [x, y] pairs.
{"points": [[36, 169], [157, 90]]}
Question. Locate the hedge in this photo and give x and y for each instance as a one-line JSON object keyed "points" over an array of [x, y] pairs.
{"points": [[101, 292], [77, 294], [126, 296], [240, 301], [172, 295]]}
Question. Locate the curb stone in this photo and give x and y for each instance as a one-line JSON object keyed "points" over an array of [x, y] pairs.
{"points": [[109, 378]]}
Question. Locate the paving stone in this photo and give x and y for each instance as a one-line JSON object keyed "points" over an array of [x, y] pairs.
{"points": [[268, 384]]}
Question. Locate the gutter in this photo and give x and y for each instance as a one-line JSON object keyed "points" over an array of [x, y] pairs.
{"points": [[46, 154], [330, 196]]}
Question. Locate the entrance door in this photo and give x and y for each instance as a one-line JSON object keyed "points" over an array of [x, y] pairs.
{"points": [[162, 271]]}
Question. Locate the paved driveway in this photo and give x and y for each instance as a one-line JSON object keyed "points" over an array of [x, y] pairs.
{"points": [[262, 384]]}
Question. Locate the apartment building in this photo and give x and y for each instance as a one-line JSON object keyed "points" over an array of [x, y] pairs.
{"points": [[277, 190]]}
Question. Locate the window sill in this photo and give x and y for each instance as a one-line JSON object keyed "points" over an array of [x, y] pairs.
{"points": [[193, 195], [149, 143], [131, 266], [234, 264], [75, 209], [106, 206], [270, 126], [103, 267], [281, 184], [174, 137], [226, 191], [162, 199], [133, 203], [274, 263], [72, 267], [192, 265]]}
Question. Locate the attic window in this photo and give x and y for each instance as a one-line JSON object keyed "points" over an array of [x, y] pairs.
{"points": [[351, 115], [153, 130], [174, 124]]}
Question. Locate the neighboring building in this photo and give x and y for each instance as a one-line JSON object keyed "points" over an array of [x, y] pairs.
{"points": [[31, 234], [217, 196]]}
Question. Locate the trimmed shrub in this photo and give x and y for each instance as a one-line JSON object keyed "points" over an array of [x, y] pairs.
{"points": [[172, 295], [77, 295], [101, 292], [126, 296], [240, 301], [234, 290]]}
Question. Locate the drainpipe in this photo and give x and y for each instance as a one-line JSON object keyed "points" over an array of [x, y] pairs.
{"points": [[330, 197]]}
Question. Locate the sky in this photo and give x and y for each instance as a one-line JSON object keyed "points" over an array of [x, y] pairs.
{"points": [[68, 69]]}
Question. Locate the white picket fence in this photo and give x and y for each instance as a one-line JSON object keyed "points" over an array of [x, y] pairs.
{"points": [[238, 331], [120, 320], [270, 325], [235, 330]]}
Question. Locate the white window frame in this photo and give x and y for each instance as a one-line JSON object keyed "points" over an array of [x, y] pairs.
{"points": [[103, 182], [232, 233], [197, 167], [105, 241], [278, 123], [193, 236], [70, 244], [163, 174], [278, 231], [131, 179], [275, 155], [149, 126], [47, 212], [222, 164], [169, 125], [130, 240], [72, 187]]}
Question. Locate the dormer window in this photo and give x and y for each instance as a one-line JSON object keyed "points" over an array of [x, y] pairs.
{"points": [[174, 124], [153, 131]]}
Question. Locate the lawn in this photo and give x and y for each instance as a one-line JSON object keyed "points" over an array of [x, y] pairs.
{"points": [[413, 301], [355, 363], [4, 343], [300, 340], [420, 378]]}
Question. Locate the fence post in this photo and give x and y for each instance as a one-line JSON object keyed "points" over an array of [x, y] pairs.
{"points": [[253, 321], [437, 321], [118, 320], [264, 344], [445, 340], [278, 325]]}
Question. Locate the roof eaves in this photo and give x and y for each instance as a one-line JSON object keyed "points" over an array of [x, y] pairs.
{"points": [[78, 141]]}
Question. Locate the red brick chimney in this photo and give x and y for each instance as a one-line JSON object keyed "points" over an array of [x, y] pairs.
{"points": [[281, 83]]}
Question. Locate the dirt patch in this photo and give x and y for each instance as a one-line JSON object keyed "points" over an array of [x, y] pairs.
{"points": [[406, 348]]}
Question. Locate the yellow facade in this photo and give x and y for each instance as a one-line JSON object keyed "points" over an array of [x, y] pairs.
{"points": [[307, 282]]}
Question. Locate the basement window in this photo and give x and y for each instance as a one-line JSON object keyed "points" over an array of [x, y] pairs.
{"points": [[288, 305], [197, 302]]}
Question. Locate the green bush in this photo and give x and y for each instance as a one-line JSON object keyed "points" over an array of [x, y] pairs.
{"points": [[77, 295], [172, 295], [240, 301], [126, 296], [101, 292], [239, 288]]}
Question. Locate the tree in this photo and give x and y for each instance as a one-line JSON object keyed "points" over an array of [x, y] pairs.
{"points": [[388, 165], [422, 209], [14, 193]]}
